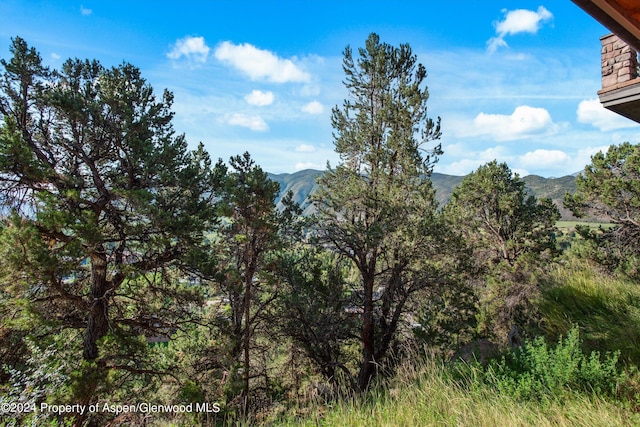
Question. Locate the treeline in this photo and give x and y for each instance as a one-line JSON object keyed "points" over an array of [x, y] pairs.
{"points": [[133, 269]]}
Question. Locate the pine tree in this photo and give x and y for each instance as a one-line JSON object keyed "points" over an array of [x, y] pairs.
{"points": [[377, 207], [512, 238], [251, 232], [104, 207], [497, 216], [609, 189]]}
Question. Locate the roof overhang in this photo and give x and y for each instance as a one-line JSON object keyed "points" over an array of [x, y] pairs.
{"points": [[622, 17]]}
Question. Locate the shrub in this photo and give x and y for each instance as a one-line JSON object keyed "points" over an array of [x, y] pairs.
{"points": [[538, 371]]}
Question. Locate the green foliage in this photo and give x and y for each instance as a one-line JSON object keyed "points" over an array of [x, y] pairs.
{"points": [[609, 188], [537, 371], [509, 296], [313, 308], [109, 225], [606, 308], [43, 378], [512, 238], [497, 216], [251, 235], [425, 393], [448, 316], [377, 208], [103, 216]]}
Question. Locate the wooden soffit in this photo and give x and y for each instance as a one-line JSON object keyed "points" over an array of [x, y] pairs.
{"points": [[622, 17]]}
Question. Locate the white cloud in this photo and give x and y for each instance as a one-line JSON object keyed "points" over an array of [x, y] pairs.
{"points": [[55, 56], [525, 121], [494, 43], [593, 113], [313, 107], [255, 123], [543, 162], [259, 98], [522, 21], [455, 149], [472, 160], [557, 162], [260, 64], [305, 148], [515, 22], [85, 11], [461, 167], [520, 171], [584, 155], [543, 159], [192, 48]]}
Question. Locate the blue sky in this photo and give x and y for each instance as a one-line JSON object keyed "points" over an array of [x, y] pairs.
{"points": [[512, 80]]}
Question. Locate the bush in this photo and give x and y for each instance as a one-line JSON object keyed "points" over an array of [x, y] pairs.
{"points": [[538, 371]]}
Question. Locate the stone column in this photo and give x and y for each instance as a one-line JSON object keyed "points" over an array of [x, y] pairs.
{"points": [[619, 61]]}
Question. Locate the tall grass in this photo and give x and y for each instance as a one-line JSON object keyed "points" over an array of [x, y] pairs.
{"points": [[606, 308], [424, 394]]}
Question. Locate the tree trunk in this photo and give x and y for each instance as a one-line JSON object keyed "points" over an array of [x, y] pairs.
{"points": [[249, 272], [237, 300], [98, 320], [367, 367]]}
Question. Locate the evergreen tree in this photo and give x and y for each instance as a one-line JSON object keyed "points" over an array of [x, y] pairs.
{"points": [[609, 189], [511, 236], [377, 207], [104, 208], [250, 233], [497, 216], [313, 308]]}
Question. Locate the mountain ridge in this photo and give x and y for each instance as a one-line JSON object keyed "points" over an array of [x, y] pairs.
{"points": [[303, 183]]}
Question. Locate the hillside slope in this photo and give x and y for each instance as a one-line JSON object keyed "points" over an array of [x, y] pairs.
{"points": [[303, 184]]}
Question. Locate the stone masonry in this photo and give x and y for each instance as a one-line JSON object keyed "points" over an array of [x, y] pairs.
{"points": [[619, 62]]}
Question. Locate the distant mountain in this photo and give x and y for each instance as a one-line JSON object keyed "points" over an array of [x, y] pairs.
{"points": [[553, 188], [444, 185], [303, 183]]}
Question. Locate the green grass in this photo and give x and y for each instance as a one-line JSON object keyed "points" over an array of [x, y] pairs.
{"points": [[426, 396], [606, 308], [568, 226]]}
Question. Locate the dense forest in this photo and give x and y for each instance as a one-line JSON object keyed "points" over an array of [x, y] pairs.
{"points": [[143, 283]]}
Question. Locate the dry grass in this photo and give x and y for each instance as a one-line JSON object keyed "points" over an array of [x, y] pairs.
{"points": [[426, 396]]}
